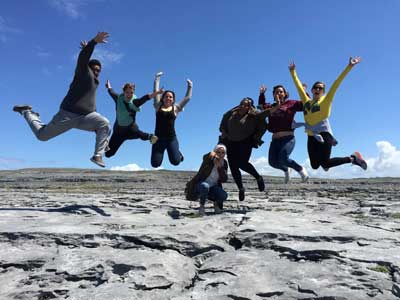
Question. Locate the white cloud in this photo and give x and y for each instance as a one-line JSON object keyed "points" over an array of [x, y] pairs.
{"points": [[385, 164], [5, 29], [129, 167], [70, 7], [107, 57]]}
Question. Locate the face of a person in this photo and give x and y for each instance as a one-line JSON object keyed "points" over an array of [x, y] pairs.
{"points": [[245, 106], [168, 99], [318, 91], [279, 94], [128, 93], [96, 70], [220, 152]]}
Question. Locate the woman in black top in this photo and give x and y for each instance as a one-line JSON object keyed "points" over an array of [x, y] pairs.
{"points": [[166, 113]]}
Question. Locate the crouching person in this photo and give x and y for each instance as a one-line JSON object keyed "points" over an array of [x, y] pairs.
{"points": [[207, 183]]}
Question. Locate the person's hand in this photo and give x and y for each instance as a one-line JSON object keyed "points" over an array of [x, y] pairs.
{"points": [[159, 74], [108, 84], [101, 37], [83, 44], [292, 66], [189, 82], [263, 89], [354, 60]]}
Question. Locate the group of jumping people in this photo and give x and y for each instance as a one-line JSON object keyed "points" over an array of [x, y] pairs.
{"points": [[242, 127]]}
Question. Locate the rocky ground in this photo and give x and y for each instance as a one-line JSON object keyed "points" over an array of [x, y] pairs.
{"points": [[85, 234]]}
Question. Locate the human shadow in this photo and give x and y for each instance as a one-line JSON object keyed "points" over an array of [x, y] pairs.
{"points": [[74, 208]]}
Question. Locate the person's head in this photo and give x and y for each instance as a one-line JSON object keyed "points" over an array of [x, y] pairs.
{"points": [[168, 98], [220, 150], [246, 105], [318, 90], [95, 66], [280, 92], [129, 90]]}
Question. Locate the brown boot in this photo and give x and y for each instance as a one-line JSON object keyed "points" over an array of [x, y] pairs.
{"points": [[98, 160]]}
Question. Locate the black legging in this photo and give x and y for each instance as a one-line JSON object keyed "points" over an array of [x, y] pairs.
{"points": [[320, 153], [238, 157], [121, 134]]}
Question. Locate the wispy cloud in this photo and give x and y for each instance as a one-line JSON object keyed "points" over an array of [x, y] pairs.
{"points": [[107, 57], [5, 30], [385, 164], [72, 8], [39, 51]]}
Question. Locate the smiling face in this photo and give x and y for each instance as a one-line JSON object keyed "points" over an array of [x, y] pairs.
{"points": [[318, 90], [280, 94], [168, 99], [220, 151], [96, 70], [129, 91]]}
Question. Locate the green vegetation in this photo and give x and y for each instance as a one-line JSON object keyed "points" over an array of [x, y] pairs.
{"points": [[381, 269]]}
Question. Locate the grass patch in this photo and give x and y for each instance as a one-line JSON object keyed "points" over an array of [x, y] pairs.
{"points": [[380, 268], [396, 215]]}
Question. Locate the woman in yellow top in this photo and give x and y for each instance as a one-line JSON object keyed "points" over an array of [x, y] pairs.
{"points": [[316, 113]]}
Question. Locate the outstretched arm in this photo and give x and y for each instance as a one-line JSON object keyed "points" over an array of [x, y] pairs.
{"points": [[187, 97], [297, 82], [261, 97], [267, 112], [139, 102], [111, 92], [88, 48], [156, 87], [352, 62]]}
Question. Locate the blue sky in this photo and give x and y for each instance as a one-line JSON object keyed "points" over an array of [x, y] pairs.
{"points": [[227, 48]]}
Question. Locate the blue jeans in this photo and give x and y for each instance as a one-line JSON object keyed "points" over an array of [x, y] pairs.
{"points": [[172, 147], [279, 152], [215, 193]]}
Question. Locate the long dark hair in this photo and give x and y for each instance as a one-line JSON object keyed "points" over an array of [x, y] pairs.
{"points": [[165, 92], [280, 86]]}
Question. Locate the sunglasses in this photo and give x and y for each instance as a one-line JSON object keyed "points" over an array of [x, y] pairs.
{"points": [[318, 87]]}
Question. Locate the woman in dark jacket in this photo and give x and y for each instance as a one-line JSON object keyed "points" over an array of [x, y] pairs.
{"points": [[240, 132], [207, 183]]}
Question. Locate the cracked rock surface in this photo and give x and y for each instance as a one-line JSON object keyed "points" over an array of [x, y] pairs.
{"points": [[86, 234]]}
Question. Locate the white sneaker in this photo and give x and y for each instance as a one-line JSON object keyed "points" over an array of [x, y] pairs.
{"points": [[287, 176], [153, 139], [202, 210], [217, 210], [304, 175]]}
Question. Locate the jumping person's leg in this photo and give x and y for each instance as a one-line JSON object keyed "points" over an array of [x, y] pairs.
{"points": [[157, 153], [174, 155], [117, 139]]}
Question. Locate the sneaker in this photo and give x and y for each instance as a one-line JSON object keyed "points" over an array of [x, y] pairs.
{"points": [[261, 184], [304, 175], [21, 108], [217, 209], [325, 169], [359, 160], [153, 139], [287, 176], [241, 194], [202, 210], [98, 160]]}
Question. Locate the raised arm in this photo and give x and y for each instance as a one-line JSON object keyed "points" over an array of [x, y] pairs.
{"points": [[139, 102], [267, 112], [111, 92], [299, 86], [352, 62], [156, 87], [261, 97], [187, 97], [88, 48]]}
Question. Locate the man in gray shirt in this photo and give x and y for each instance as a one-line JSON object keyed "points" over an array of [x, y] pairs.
{"points": [[78, 109]]}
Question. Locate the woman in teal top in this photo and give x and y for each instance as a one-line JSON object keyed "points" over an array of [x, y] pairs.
{"points": [[125, 127]]}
